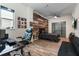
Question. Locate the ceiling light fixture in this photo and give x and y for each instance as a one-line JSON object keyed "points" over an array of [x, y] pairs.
{"points": [[55, 17]]}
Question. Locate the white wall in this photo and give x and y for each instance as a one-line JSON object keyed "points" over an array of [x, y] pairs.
{"points": [[68, 20], [76, 15], [20, 11]]}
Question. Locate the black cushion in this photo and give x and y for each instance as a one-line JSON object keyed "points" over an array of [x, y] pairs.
{"points": [[66, 49], [49, 36], [75, 43]]}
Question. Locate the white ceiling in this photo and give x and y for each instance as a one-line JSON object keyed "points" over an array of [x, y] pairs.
{"points": [[52, 9]]}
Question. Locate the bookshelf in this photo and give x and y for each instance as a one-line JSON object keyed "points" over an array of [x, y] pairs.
{"points": [[39, 23]]}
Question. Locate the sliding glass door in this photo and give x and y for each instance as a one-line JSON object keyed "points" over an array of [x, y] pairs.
{"points": [[63, 29], [59, 28]]}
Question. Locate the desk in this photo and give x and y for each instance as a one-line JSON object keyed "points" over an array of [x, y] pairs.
{"points": [[9, 49]]}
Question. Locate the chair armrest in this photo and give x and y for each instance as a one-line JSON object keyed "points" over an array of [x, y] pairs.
{"points": [[20, 37]]}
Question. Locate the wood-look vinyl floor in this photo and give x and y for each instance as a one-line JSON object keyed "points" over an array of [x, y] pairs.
{"points": [[45, 47]]}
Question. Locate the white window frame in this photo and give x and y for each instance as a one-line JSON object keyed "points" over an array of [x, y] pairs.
{"points": [[7, 19]]}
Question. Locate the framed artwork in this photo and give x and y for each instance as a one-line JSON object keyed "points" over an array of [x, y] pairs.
{"points": [[74, 23], [21, 22], [31, 23]]}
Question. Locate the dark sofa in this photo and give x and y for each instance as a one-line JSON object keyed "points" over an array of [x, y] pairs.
{"points": [[48, 36], [67, 49], [70, 48]]}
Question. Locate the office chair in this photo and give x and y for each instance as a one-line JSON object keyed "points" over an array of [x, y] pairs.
{"points": [[26, 39]]}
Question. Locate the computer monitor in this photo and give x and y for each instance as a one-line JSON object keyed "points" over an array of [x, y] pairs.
{"points": [[2, 33]]}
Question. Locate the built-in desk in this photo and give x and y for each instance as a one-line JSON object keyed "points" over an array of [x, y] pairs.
{"points": [[9, 49]]}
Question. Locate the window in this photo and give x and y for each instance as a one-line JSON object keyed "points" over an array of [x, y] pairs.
{"points": [[7, 17], [59, 28]]}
